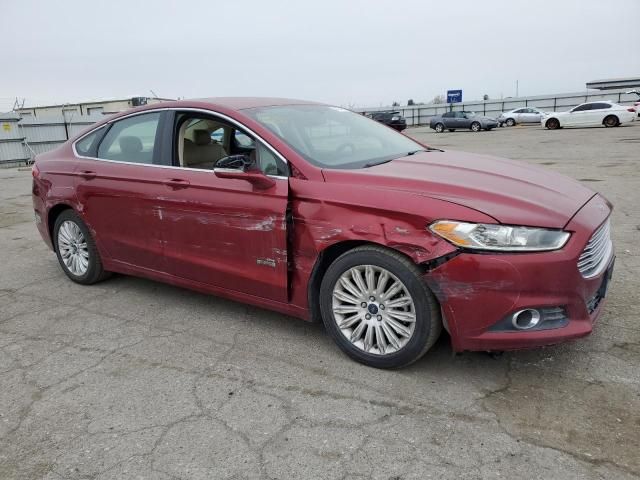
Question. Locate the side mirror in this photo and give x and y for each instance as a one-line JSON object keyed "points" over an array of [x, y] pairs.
{"points": [[234, 162], [240, 167]]}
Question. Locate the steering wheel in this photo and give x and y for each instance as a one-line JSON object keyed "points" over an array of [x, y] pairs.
{"points": [[341, 148]]}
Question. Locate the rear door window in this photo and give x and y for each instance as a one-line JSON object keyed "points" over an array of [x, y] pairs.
{"points": [[86, 147], [131, 140]]}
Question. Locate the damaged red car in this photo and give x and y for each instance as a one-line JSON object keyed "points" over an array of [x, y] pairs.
{"points": [[320, 213]]}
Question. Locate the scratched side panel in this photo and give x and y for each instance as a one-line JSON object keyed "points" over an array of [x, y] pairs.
{"points": [[226, 233], [118, 205], [325, 214]]}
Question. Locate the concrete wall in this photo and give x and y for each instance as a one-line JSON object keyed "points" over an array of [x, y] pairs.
{"points": [[420, 114]]}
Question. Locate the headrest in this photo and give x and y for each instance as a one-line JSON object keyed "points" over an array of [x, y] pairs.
{"points": [[130, 145], [201, 137]]}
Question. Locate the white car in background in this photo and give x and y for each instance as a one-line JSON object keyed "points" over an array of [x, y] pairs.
{"points": [[588, 114], [636, 105], [521, 115]]}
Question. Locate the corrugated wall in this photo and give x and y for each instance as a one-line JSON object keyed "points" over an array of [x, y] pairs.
{"points": [[21, 139]]}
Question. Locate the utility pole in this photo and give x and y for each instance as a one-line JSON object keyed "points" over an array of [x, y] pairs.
{"points": [[517, 88]]}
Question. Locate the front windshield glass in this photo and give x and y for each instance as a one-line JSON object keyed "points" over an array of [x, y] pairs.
{"points": [[332, 137]]}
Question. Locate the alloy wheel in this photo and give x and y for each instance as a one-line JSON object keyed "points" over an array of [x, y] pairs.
{"points": [[73, 248], [373, 309]]}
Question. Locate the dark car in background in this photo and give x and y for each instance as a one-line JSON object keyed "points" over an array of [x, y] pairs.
{"points": [[391, 119], [455, 120]]}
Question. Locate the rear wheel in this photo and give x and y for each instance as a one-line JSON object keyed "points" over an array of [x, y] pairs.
{"points": [[476, 127], [76, 249], [377, 308], [552, 124], [611, 121], [439, 128], [510, 122]]}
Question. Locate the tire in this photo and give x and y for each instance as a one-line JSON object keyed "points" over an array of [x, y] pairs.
{"points": [[71, 238], [452, 129], [611, 121], [439, 128], [510, 122], [476, 127], [414, 301], [552, 124]]}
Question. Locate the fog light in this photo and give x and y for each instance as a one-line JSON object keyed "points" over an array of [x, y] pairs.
{"points": [[525, 319]]}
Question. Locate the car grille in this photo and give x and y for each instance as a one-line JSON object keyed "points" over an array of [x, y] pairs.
{"points": [[596, 254]]}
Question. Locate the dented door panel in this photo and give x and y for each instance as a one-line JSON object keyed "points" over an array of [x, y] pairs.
{"points": [[226, 233]]}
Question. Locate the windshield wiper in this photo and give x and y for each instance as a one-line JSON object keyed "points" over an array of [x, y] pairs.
{"points": [[373, 164], [426, 149]]}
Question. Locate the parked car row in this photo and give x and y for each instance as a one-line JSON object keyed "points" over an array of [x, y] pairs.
{"points": [[604, 113]]}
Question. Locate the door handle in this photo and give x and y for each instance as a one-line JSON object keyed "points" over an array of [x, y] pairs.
{"points": [[87, 174], [176, 183]]}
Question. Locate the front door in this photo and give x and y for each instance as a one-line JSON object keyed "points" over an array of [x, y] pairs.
{"points": [[225, 232], [580, 115], [118, 182]]}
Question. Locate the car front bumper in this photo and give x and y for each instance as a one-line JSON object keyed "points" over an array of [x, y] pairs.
{"points": [[478, 291]]}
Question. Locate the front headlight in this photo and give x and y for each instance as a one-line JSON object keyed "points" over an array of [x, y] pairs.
{"points": [[508, 238]]}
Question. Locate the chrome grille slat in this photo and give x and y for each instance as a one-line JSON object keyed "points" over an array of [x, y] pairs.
{"points": [[597, 252]]}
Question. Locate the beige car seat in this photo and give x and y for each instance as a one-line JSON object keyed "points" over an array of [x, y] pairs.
{"points": [[202, 152]]}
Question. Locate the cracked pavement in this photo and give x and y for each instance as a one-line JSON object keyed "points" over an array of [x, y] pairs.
{"points": [[132, 379]]}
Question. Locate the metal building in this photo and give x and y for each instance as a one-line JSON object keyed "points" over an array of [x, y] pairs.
{"points": [[106, 107], [615, 83]]}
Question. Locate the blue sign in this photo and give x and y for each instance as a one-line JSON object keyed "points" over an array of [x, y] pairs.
{"points": [[454, 96]]}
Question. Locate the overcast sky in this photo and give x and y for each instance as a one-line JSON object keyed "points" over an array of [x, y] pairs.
{"points": [[352, 53]]}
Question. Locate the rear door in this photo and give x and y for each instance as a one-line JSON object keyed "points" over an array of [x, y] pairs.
{"points": [[517, 115], [119, 181], [225, 232], [597, 113]]}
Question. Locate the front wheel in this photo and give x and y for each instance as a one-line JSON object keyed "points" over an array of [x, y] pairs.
{"points": [[377, 308], [76, 249], [476, 127], [439, 128]]}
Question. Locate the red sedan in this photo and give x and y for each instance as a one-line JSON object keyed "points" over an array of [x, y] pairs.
{"points": [[323, 214]]}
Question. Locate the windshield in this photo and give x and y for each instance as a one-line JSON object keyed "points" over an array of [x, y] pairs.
{"points": [[332, 137]]}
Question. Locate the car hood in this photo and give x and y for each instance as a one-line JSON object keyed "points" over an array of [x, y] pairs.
{"points": [[509, 191]]}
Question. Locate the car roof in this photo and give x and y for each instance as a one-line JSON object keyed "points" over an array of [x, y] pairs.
{"points": [[241, 103]]}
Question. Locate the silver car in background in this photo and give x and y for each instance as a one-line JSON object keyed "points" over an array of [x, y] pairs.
{"points": [[461, 120], [520, 115]]}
